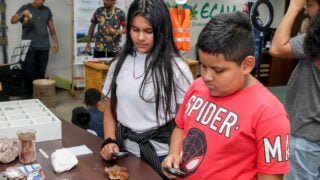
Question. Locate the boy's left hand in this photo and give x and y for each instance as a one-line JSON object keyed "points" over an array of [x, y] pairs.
{"points": [[173, 161]]}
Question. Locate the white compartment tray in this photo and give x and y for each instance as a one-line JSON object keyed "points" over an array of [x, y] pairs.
{"points": [[29, 114]]}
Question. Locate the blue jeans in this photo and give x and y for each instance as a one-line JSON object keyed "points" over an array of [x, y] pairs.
{"points": [[304, 159]]}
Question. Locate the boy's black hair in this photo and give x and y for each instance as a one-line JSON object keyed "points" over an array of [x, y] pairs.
{"points": [[91, 97], [312, 39], [81, 117], [229, 34]]}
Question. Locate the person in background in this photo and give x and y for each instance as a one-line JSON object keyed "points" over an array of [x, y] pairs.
{"points": [[311, 44], [111, 25], [220, 133], [91, 98], [302, 100], [81, 118], [144, 86], [36, 19]]}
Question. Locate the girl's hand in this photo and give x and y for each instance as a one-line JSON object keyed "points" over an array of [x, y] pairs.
{"points": [[108, 149]]}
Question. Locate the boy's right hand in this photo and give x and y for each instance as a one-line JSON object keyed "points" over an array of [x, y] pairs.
{"points": [[173, 161], [108, 149]]}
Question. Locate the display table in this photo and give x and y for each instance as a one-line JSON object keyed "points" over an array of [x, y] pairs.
{"points": [[95, 72], [90, 166]]}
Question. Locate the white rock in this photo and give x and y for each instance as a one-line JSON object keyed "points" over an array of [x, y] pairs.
{"points": [[63, 160], [8, 149]]}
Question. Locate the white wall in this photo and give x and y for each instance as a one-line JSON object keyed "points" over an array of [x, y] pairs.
{"points": [[60, 63]]}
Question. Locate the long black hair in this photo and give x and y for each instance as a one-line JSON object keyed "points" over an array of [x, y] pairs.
{"points": [[160, 59]]}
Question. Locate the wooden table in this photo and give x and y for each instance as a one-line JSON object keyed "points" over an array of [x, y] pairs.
{"points": [[90, 166], [95, 72]]}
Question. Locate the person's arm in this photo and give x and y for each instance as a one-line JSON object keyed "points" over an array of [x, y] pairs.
{"points": [[270, 176], [53, 36], [272, 133], [109, 126], [90, 34], [280, 46], [173, 159], [109, 123], [16, 17], [175, 143], [122, 30]]}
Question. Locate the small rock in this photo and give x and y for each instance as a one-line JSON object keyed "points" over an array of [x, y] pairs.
{"points": [[9, 150]]}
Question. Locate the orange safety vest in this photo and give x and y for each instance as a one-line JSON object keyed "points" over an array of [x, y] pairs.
{"points": [[181, 31]]}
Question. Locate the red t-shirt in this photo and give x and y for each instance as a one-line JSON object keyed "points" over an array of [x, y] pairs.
{"points": [[233, 137]]}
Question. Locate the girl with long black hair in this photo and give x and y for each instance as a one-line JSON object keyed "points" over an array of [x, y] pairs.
{"points": [[144, 86]]}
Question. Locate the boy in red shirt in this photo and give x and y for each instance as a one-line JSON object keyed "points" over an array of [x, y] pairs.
{"points": [[229, 125]]}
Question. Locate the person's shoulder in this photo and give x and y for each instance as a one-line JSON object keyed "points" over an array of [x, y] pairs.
{"points": [[182, 69], [100, 9], [197, 83], [262, 95], [114, 61], [296, 44], [95, 115], [180, 62], [302, 35], [112, 65], [299, 37], [45, 8], [94, 110], [28, 5], [197, 86], [119, 11]]}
